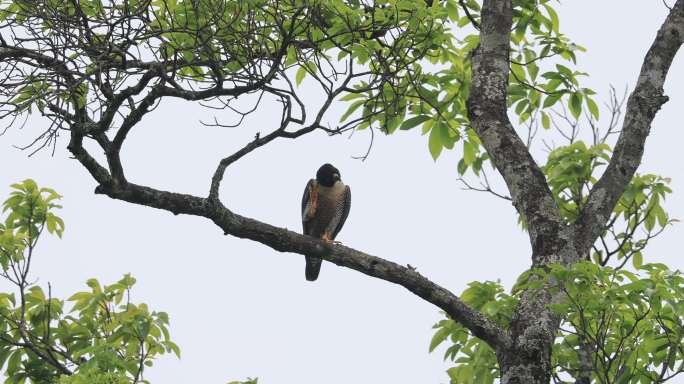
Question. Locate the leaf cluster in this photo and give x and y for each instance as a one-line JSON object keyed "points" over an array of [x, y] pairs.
{"points": [[475, 360], [94, 336], [608, 311], [639, 216], [617, 326], [114, 59], [620, 326], [432, 93]]}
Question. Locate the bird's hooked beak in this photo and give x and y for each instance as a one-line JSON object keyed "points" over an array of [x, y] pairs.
{"points": [[336, 176]]}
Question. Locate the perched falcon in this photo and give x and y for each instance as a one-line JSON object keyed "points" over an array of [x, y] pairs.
{"points": [[325, 207]]}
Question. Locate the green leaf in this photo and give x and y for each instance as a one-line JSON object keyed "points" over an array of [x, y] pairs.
{"points": [[301, 73], [14, 361], [533, 70], [518, 71], [661, 215], [435, 143], [575, 104], [550, 100], [452, 10], [351, 96], [637, 260], [593, 108], [553, 16], [80, 296], [469, 152], [447, 140], [174, 348], [351, 109], [81, 94], [438, 338], [4, 353], [414, 121], [462, 167], [546, 121]]}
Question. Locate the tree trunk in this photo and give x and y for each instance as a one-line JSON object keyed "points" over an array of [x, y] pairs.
{"points": [[533, 327], [525, 367]]}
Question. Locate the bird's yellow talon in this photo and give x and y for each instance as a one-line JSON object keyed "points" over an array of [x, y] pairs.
{"points": [[326, 237]]}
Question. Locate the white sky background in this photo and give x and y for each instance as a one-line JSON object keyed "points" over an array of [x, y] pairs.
{"points": [[240, 309]]}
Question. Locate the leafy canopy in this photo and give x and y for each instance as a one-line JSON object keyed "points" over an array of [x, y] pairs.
{"points": [[96, 336], [400, 64]]}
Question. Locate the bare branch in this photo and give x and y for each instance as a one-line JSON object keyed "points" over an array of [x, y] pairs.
{"points": [[484, 186], [280, 132]]}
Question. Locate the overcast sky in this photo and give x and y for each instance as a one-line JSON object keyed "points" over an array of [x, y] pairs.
{"points": [[240, 309]]}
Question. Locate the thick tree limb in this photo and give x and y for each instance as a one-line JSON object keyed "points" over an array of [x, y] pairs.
{"points": [[533, 326], [487, 112], [642, 106], [10, 52], [284, 240]]}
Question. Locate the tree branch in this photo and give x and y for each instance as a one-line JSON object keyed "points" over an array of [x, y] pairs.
{"points": [[280, 132], [642, 106], [487, 112], [283, 240]]}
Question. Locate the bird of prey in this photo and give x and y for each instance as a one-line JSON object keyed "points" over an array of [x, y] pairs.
{"points": [[325, 207]]}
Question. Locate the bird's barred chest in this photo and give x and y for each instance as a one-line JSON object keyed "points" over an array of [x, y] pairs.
{"points": [[331, 199]]}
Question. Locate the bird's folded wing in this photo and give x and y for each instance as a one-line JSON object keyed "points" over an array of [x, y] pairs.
{"points": [[308, 204], [342, 211]]}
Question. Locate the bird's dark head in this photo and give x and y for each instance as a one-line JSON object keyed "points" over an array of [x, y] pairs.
{"points": [[327, 175]]}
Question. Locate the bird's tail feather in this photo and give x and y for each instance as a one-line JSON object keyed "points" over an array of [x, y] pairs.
{"points": [[313, 267]]}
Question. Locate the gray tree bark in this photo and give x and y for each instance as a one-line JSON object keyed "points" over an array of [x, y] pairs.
{"points": [[527, 359]]}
